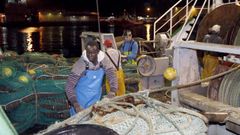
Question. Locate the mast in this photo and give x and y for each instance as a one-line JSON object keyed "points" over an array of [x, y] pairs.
{"points": [[98, 19]]}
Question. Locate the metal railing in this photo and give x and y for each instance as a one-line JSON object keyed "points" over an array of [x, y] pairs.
{"points": [[187, 15], [195, 22], [170, 12], [161, 18]]}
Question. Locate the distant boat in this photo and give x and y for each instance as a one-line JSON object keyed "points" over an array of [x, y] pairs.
{"points": [[124, 21], [121, 21]]}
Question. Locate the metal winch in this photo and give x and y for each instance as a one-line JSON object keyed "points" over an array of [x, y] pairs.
{"points": [[151, 68]]}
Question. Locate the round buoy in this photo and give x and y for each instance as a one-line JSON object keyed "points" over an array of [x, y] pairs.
{"points": [[23, 79], [31, 72], [7, 72], [170, 73]]}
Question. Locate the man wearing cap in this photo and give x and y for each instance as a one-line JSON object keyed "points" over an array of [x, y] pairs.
{"points": [[84, 84], [129, 48], [115, 58]]}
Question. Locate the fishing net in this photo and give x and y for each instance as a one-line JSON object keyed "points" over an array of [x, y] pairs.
{"points": [[170, 124], [32, 88], [137, 114], [152, 117]]}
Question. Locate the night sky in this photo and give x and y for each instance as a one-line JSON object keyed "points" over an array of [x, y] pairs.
{"points": [[107, 7]]}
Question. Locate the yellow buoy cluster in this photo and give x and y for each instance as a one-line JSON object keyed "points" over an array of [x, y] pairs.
{"points": [[8, 72], [25, 78], [170, 73]]}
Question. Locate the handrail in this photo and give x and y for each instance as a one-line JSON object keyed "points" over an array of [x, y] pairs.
{"points": [[173, 17], [199, 13], [177, 22], [169, 10], [187, 13], [186, 16], [186, 20]]}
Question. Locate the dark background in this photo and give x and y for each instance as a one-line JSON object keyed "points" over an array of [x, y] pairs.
{"points": [[106, 7]]}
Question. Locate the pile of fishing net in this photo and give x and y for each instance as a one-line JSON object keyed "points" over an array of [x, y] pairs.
{"points": [[139, 115], [32, 88]]}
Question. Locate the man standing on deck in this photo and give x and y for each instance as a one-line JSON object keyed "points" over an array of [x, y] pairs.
{"points": [[210, 59], [115, 57], [129, 48], [84, 84]]}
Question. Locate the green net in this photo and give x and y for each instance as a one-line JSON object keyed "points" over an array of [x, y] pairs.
{"points": [[32, 88]]}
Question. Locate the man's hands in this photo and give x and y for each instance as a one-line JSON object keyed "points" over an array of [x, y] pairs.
{"points": [[77, 107], [111, 94]]}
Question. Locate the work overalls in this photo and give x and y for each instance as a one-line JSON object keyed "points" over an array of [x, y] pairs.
{"points": [[89, 88]]}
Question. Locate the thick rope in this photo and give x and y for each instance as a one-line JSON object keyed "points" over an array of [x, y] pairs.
{"points": [[158, 110], [114, 105], [177, 87]]}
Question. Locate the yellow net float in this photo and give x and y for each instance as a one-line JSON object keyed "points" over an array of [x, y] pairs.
{"points": [[31, 72], [23, 79], [7, 72], [170, 73]]}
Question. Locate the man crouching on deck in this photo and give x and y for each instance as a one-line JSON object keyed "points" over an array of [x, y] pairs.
{"points": [[84, 84]]}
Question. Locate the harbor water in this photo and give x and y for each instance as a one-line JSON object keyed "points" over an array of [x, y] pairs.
{"points": [[58, 39]]}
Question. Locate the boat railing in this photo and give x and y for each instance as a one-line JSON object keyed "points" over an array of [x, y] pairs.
{"points": [[160, 19], [173, 16], [209, 8], [194, 23], [177, 17]]}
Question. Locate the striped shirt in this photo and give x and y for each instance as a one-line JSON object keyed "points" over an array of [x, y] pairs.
{"points": [[115, 56], [80, 66]]}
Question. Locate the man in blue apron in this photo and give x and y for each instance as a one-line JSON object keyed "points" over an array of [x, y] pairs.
{"points": [[129, 48], [84, 84]]}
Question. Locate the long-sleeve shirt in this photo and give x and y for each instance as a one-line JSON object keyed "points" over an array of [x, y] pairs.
{"points": [[130, 46], [115, 56], [78, 69]]}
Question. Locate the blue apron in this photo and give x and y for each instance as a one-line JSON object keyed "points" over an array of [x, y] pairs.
{"points": [[89, 88]]}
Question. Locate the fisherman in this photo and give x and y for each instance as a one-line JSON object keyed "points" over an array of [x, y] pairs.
{"points": [[211, 59], [129, 48], [213, 35], [84, 84], [115, 57]]}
